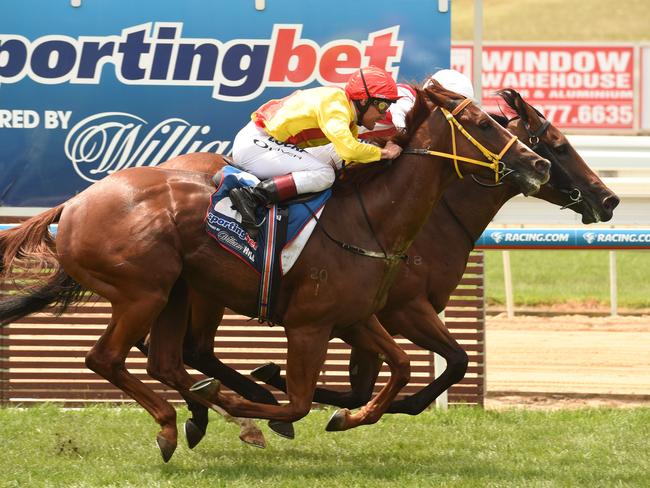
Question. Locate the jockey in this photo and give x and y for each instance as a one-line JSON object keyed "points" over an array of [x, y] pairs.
{"points": [[395, 117], [271, 146]]}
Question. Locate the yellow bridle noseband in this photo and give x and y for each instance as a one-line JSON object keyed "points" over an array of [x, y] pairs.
{"points": [[495, 159]]}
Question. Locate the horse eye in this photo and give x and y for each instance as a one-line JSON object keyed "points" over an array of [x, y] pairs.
{"points": [[484, 124], [561, 149]]}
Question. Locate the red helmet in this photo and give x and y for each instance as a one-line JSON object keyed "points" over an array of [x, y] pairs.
{"points": [[371, 82]]}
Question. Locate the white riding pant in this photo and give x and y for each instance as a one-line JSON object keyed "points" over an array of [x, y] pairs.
{"points": [[255, 152]]}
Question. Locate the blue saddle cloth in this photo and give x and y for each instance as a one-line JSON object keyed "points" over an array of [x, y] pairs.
{"points": [[223, 223]]}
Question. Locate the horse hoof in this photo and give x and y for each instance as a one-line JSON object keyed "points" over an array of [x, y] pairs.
{"points": [[166, 448], [193, 433], [337, 420], [254, 438], [266, 372], [207, 389], [283, 429]]}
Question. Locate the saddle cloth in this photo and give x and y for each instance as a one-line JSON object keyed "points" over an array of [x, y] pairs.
{"points": [[223, 223]]}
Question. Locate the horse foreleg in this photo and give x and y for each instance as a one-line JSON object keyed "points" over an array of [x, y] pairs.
{"points": [[363, 370], [374, 338], [198, 352], [196, 426], [208, 364], [307, 347], [420, 324]]}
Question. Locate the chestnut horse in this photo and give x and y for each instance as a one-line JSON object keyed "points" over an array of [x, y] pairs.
{"points": [[137, 238], [423, 286]]}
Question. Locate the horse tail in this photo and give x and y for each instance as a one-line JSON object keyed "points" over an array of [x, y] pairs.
{"points": [[29, 260]]}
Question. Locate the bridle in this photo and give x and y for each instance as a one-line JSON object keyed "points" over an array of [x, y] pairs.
{"points": [[495, 163], [540, 147]]}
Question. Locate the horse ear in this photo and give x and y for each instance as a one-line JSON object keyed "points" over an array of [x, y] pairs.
{"points": [[526, 111], [521, 107], [434, 93]]}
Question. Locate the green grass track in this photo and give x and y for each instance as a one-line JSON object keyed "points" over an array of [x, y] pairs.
{"points": [[548, 277], [110, 447]]}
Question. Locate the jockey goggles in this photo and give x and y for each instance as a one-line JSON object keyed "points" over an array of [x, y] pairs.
{"points": [[381, 104]]}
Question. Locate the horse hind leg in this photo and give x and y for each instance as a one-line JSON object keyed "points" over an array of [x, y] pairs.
{"points": [[107, 357], [165, 361], [203, 320]]}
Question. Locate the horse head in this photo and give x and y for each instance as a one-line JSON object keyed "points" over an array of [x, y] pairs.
{"points": [[572, 184], [478, 143]]}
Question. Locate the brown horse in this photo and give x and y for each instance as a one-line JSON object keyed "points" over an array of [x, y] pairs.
{"points": [[423, 287], [420, 289], [137, 238]]}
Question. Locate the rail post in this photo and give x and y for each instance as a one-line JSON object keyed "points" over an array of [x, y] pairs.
{"points": [[613, 284], [507, 280]]}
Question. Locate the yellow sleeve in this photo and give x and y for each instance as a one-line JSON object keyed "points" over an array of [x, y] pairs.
{"points": [[334, 120]]}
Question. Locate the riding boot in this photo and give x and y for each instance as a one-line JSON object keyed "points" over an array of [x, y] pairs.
{"points": [[246, 199]]}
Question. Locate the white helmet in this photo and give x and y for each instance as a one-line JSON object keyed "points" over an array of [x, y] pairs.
{"points": [[455, 81]]}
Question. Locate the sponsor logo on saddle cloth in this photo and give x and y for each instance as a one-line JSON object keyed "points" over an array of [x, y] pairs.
{"points": [[223, 223]]}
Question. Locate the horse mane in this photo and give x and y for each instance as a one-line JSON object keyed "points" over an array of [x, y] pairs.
{"points": [[417, 115], [501, 119]]}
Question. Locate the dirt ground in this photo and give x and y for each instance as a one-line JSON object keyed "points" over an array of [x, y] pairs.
{"points": [[567, 361]]}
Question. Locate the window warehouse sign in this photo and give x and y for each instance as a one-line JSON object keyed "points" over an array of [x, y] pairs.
{"points": [[564, 239], [87, 91], [575, 86]]}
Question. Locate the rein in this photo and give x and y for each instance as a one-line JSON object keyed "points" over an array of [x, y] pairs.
{"points": [[495, 163], [356, 249]]}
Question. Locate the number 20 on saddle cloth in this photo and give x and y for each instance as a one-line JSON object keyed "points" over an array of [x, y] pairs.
{"points": [[284, 231]]}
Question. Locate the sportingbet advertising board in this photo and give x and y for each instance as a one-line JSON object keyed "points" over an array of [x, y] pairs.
{"points": [[89, 90]]}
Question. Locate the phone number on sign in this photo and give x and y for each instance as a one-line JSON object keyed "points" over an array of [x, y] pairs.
{"points": [[588, 115]]}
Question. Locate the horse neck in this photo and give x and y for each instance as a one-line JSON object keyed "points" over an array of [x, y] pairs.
{"points": [[470, 207], [403, 197], [462, 214]]}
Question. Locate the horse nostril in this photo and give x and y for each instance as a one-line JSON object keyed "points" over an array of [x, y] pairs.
{"points": [[542, 166], [611, 202]]}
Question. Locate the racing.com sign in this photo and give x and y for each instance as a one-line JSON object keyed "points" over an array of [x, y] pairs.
{"points": [[564, 239]]}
